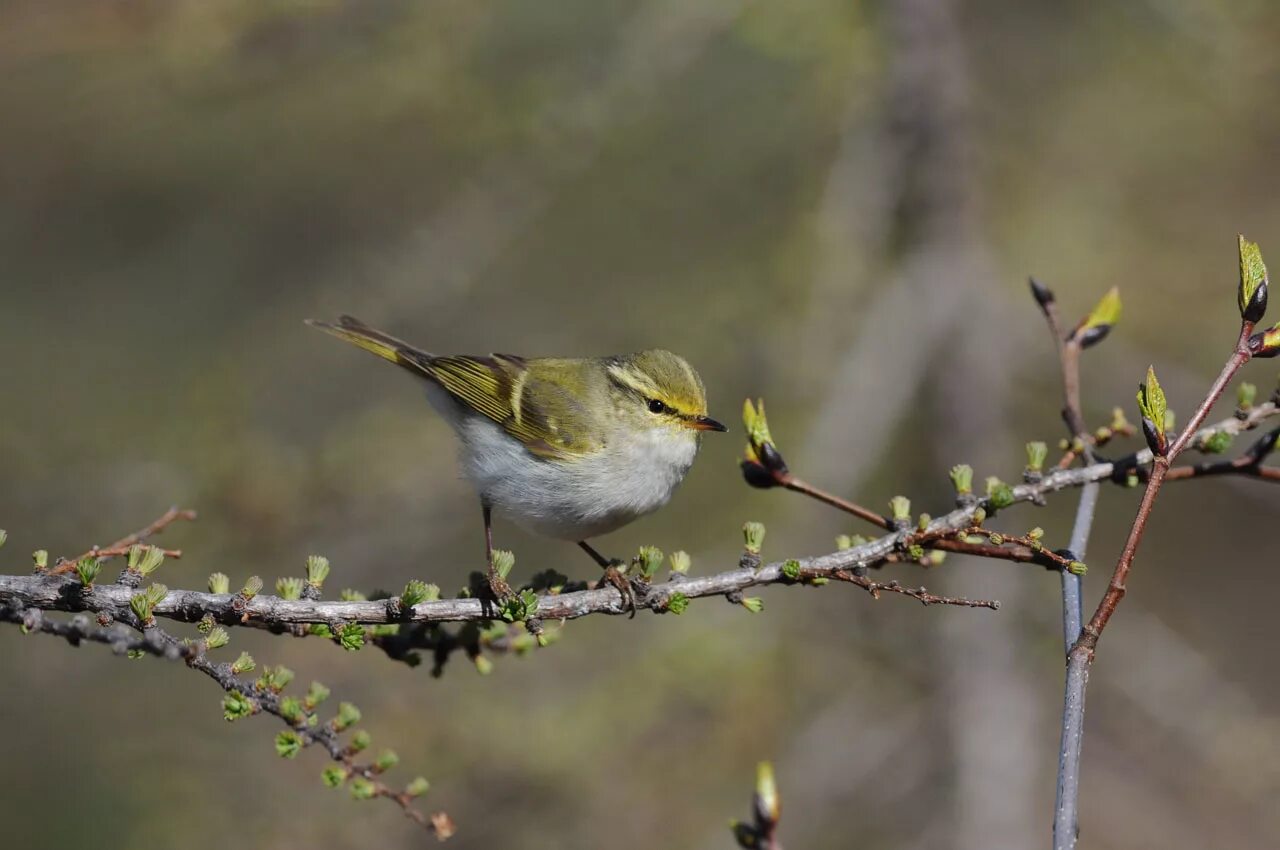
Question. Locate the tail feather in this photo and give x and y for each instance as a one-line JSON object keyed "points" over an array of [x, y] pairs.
{"points": [[356, 332]]}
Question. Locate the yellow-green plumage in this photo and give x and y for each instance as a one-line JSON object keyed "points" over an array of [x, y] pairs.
{"points": [[551, 405]]}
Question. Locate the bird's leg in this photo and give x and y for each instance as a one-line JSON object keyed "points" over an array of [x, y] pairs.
{"points": [[613, 575], [497, 584]]}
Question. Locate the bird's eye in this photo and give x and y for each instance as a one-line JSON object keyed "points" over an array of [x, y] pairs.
{"points": [[656, 406]]}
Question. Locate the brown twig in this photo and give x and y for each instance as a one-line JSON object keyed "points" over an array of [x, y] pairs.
{"points": [[920, 594], [791, 482], [121, 547], [1092, 631]]}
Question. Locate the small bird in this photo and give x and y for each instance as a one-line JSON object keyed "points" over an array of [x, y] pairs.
{"points": [[566, 448]]}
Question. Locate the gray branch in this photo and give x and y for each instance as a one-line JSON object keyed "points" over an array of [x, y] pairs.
{"points": [[60, 593]]}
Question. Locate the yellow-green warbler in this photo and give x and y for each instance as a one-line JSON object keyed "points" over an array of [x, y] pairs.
{"points": [[567, 448]]}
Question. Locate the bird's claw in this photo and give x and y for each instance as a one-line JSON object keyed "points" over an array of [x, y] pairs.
{"points": [[614, 576], [498, 587]]}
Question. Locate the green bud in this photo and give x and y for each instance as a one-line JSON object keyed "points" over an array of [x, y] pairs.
{"points": [[87, 570], [4, 536], [791, 569], [915, 552], [650, 559], [523, 644], [1036, 533], [756, 425], [1216, 443], [1095, 326], [680, 562], [979, 516], [936, 557], [1118, 420], [362, 789], [141, 605], [418, 591], [962, 478], [156, 592], [753, 537], [386, 760], [997, 539], [150, 560], [844, 541], [320, 630], [236, 705], [217, 638], [754, 604], [360, 740], [1077, 568], [1154, 410], [417, 787], [483, 665], [333, 776], [41, 558], [519, 607], [274, 679], [316, 694], [503, 562], [243, 664], [1246, 394], [219, 583], [999, 494], [349, 595], [351, 636], [1252, 294], [901, 507], [767, 792], [317, 569], [922, 524], [1037, 453], [348, 716], [252, 587], [288, 744], [291, 710], [289, 588], [677, 603]]}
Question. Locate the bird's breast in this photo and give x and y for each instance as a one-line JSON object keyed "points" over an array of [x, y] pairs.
{"points": [[578, 499]]}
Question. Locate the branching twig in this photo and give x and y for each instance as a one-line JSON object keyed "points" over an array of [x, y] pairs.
{"points": [[302, 721], [58, 593], [121, 547]]}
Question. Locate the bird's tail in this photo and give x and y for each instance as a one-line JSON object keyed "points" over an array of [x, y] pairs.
{"points": [[387, 347]]}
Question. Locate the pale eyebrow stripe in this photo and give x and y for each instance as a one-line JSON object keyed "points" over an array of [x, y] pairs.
{"points": [[629, 381]]}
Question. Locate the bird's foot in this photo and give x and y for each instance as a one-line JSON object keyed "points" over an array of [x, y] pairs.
{"points": [[614, 576], [498, 587]]}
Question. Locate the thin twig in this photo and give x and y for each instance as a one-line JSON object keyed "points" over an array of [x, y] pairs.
{"points": [[1116, 589], [920, 594], [1081, 655], [157, 642], [1080, 445], [797, 485], [121, 547]]}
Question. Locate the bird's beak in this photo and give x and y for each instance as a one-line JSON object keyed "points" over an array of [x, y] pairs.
{"points": [[705, 423]]}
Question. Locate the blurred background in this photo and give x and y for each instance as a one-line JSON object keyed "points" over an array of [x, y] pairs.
{"points": [[833, 205]]}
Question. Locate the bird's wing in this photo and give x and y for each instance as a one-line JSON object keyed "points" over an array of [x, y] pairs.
{"points": [[534, 407]]}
